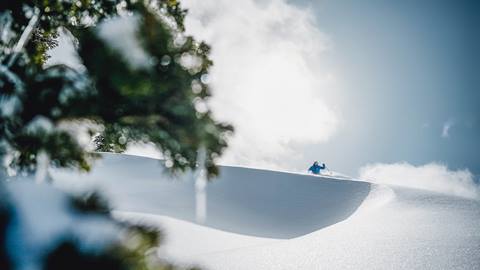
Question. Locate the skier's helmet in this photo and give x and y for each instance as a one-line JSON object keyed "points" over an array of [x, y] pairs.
{"points": [[315, 163]]}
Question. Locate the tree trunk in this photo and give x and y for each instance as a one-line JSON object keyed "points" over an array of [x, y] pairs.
{"points": [[200, 189]]}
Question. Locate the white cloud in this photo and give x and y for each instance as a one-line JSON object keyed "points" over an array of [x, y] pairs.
{"points": [[65, 53], [268, 78], [432, 176], [120, 33], [144, 150], [82, 130], [446, 128]]}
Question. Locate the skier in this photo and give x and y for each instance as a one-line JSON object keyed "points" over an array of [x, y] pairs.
{"points": [[315, 168]]}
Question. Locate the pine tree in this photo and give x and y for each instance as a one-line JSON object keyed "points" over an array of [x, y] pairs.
{"points": [[146, 83]]}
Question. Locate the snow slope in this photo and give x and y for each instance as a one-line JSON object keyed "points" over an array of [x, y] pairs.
{"points": [[315, 222], [413, 230], [245, 201], [179, 234]]}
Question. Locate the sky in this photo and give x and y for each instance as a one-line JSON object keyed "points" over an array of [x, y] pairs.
{"points": [[354, 84], [349, 83], [410, 76]]}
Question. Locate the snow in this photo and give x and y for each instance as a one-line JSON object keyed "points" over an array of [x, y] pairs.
{"points": [[242, 200], [12, 77], [414, 231], [212, 240], [5, 27], [43, 217], [433, 176], [260, 219], [9, 105], [78, 84], [39, 124]]}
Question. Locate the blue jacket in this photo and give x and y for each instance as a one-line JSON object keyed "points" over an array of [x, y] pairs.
{"points": [[315, 169]]}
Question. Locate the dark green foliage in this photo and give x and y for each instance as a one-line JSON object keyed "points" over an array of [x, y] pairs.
{"points": [[69, 256], [111, 140], [142, 239], [5, 218], [54, 14], [41, 94], [134, 249], [130, 254], [91, 203], [156, 103], [161, 102]]}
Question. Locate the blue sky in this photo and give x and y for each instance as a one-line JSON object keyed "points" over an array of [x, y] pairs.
{"points": [[408, 69]]}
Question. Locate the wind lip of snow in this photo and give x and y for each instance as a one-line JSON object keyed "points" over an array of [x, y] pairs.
{"points": [[388, 212], [432, 176], [151, 152], [120, 33]]}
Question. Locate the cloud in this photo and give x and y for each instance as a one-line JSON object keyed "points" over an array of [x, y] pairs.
{"points": [[65, 53], [446, 128], [120, 33], [433, 176], [144, 150], [268, 77]]}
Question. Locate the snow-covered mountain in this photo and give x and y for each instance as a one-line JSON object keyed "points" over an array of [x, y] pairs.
{"points": [[258, 219]]}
